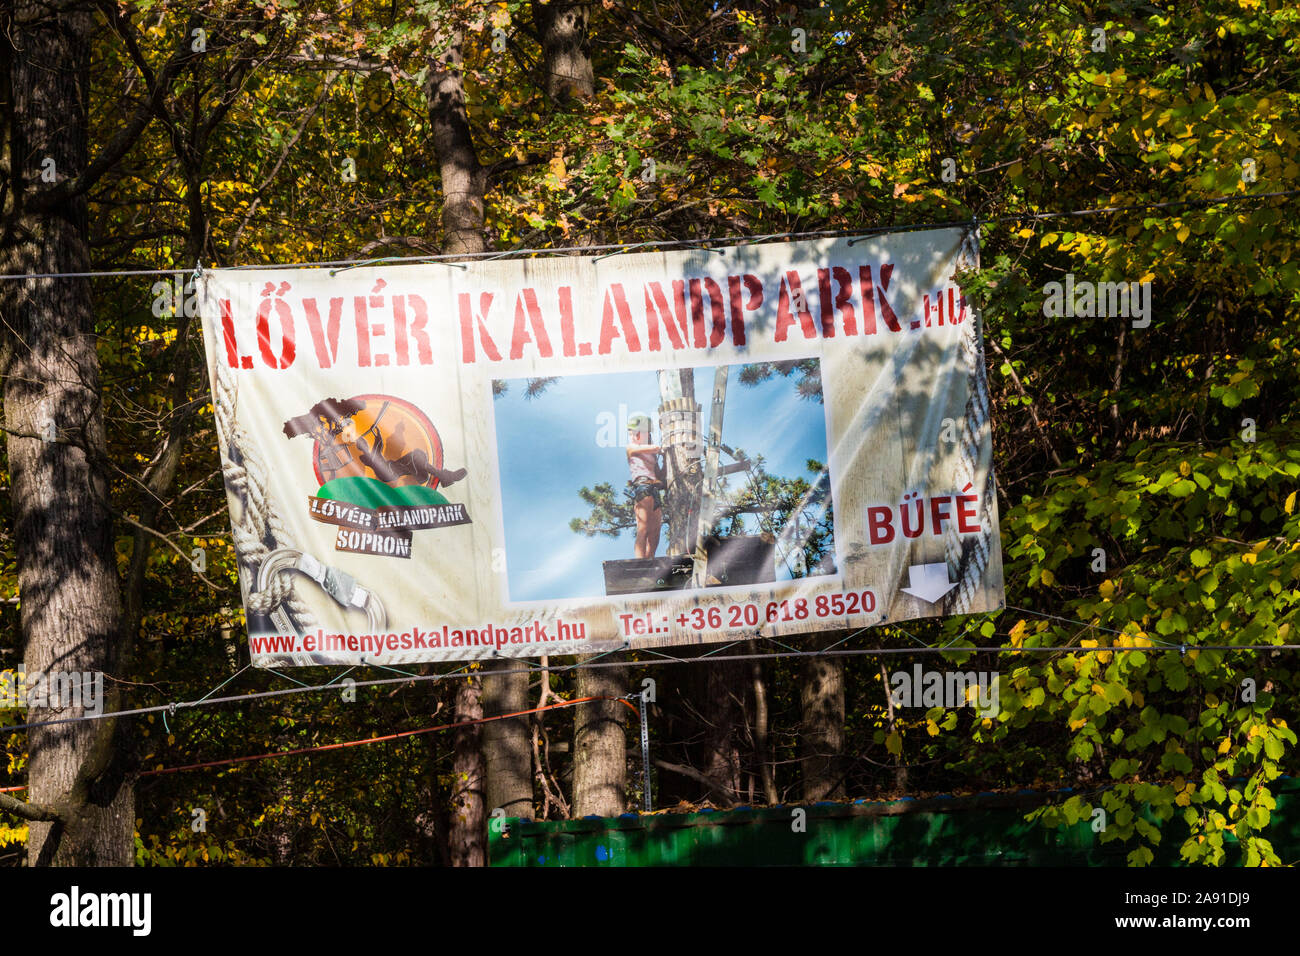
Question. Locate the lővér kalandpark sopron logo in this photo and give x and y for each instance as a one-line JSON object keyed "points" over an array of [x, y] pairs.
{"points": [[379, 463]]}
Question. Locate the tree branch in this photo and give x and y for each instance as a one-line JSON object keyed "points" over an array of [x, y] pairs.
{"points": [[713, 786], [418, 243], [513, 163], [29, 811], [327, 61], [125, 138], [1033, 414]]}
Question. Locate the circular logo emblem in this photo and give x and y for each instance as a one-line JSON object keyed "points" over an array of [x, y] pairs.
{"points": [[380, 437]]}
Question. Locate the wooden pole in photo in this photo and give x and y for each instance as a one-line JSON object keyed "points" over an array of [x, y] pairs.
{"points": [[709, 487]]}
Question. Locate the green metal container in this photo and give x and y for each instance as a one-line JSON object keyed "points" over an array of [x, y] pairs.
{"points": [[983, 830]]}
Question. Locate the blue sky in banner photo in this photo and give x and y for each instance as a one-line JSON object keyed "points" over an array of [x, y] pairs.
{"points": [[550, 446]]}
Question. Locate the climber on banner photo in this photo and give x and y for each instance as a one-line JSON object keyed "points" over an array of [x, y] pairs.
{"points": [[647, 485], [378, 461], [345, 449]]}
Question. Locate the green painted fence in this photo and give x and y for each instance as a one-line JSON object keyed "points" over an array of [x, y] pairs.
{"points": [[983, 830]]}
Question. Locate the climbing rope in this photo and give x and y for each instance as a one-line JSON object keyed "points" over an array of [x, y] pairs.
{"points": [[257, 529]]}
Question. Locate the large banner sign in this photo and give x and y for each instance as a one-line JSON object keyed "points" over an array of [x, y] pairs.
{"points": [[572, 454]]}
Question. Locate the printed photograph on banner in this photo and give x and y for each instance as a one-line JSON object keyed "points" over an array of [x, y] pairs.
{"points": [[663, 481]]}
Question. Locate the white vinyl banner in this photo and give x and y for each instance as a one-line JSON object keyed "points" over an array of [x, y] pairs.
{"points": [[577, 453]]}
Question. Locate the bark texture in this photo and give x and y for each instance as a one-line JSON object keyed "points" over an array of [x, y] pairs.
{"points": [[507, 747], [467, 829], [821, 734], [600, 744], [566, 49], [492, 763], [464, 180], [71, 610]]}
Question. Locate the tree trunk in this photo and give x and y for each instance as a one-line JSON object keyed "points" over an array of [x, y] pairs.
{"points": [[464, 181], [71, 606], [762, 740], [600, 744], [507, 749], [566, 49], [599, 728], [679, 436], [721, 695], [467, 831], [500, 772], [821, 697]]}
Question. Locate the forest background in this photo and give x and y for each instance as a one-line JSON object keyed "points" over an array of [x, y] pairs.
{"points": [[1147, 475]]}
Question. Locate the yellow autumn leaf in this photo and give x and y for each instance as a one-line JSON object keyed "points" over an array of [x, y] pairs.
{"points": [[1183, 233], [894, 743], [1017, 633], [1290, 503], [1048, 578], [1107, 589]]}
